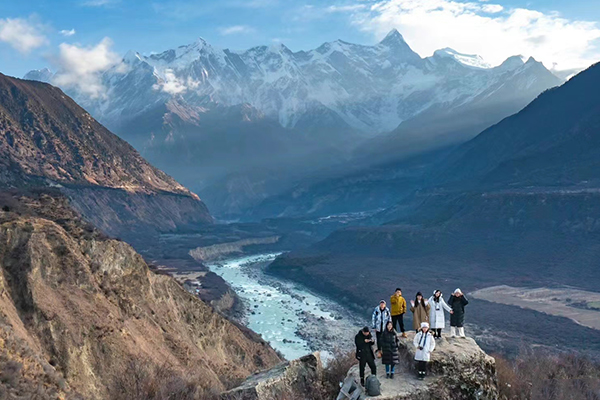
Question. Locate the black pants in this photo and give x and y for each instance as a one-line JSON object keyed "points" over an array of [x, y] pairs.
{"points": [[378, 335], [398, 319], [364, 360], [437, 332], [422, 367]]}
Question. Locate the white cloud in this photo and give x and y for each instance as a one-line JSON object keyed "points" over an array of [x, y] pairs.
{"points": [[345, 8], [486, 29], [236, 29], [22, 34], [173, 85], [81, 67], [67, 33]]}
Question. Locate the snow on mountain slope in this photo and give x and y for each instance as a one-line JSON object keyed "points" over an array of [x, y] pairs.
{"points": [[368, 88]]}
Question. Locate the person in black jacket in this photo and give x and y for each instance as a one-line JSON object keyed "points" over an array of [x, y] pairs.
{"points": [[457, 302], [364, 352], [389, 346]]}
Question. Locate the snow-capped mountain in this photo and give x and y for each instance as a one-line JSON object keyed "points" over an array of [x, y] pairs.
{"points": [[42, 75], [369, 88], [267, 116]]}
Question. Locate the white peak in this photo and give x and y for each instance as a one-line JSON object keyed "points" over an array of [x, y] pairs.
{"points": [[469, 60], [513, 62], [393, 36], [131, 57]]}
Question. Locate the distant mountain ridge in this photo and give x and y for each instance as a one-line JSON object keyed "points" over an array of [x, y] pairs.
{"points": [[241, 126], [369, 88]]}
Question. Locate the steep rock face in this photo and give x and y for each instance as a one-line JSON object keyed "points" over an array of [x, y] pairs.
{"points": [[459, 369], [78, 308], [48, 140]]}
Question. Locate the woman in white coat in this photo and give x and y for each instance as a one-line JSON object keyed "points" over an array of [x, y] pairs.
{"points": [[424, 344], [437, 319]]}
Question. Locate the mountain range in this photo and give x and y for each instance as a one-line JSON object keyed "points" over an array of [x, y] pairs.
{"points": [[294, 113]]}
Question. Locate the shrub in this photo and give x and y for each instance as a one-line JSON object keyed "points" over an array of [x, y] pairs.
{"points": [[144, 381], [538, 376]]}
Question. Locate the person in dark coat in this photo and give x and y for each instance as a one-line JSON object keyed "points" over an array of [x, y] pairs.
{"points": [[389, 346], [364, 352], [457, 302]]}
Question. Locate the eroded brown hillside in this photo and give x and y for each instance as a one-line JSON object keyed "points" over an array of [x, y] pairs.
{"points": [[76, 308]]}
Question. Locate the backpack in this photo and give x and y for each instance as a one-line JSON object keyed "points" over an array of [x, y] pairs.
{"points": [[373, 386]]}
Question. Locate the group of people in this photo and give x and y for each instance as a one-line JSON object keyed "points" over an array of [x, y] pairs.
{"points": [[428, 321]]}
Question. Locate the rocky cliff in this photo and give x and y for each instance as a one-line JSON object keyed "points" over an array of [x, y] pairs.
{"points": [[459, 370], [78, 309], [47, 140]]}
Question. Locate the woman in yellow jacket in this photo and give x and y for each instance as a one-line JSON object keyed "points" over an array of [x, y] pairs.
{"points": [[398, 310]]}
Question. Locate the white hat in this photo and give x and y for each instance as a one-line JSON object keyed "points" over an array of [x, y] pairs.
{"points": [[457, 291], [424, 325]]}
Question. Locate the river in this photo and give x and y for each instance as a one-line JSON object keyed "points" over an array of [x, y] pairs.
{"points": [[294, 320]]}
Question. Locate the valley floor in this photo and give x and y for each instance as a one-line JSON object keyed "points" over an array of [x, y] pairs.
{"points": [[581, 306]]}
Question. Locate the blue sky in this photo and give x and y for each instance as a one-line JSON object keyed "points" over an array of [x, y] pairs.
{"points": [[561, 33]]}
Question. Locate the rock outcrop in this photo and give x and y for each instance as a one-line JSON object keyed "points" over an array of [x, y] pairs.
{"points": [[77, 309], [459, 370], [292, 379]]}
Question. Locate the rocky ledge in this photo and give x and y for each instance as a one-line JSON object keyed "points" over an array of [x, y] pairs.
{"points": [[459, 369], [292, 379]]}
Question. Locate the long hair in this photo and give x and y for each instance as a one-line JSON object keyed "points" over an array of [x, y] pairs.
{"points": [[435, 298], [422, 299]]}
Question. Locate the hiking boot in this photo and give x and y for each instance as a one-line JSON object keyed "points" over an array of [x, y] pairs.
{"points": [[404, 335], [392, 376], [362, 382]]}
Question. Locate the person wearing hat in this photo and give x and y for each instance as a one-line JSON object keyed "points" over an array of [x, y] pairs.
{"points": [[380, 318], [424, 344], [364, 353], [437, 319], [457, 302], [420, 309], [398, 309]]}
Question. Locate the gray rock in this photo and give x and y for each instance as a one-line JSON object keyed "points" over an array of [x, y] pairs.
{"points": [[459, 369], [293, 379]]}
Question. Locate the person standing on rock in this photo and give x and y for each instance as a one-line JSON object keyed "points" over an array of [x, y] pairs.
{"points": [[364, 352], [420, 309], [424, 344], [398, 309], [381, 316], [389, 346], [437, 319], [457, 301]]}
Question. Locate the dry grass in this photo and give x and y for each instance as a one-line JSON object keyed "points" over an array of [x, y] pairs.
{"points": [[536, 376]]}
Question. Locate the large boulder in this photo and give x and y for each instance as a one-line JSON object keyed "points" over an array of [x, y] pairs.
{"points": [[291, 379], [459, 369]]}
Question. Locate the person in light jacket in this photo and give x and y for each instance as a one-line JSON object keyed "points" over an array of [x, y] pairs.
{"points": [[437, 319], [380, 318], [457, 301], [420, 309], [424, 344], [389, 346]]}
